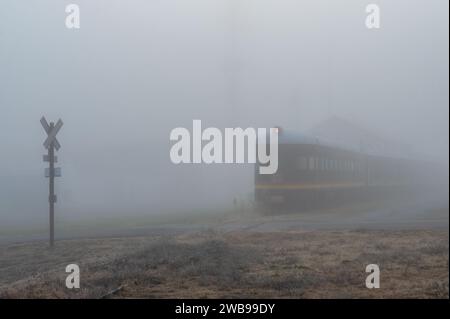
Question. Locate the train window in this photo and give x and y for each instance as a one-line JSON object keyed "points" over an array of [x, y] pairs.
{"points": [[311, 163], [277, 178], [302, 163]]}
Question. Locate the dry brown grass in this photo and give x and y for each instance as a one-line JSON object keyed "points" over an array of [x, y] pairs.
{"points": [[316, 264]]}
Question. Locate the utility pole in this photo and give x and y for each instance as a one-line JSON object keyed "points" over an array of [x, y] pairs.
{"points": [[51, 143]]}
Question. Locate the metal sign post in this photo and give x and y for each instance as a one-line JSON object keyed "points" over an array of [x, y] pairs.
{"points": [[51, 143]]}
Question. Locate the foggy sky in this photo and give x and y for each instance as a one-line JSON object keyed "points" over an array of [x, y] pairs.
{"points": [[137, 69]]}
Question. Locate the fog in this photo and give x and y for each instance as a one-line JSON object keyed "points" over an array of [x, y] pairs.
{"points": [[137, 69]]}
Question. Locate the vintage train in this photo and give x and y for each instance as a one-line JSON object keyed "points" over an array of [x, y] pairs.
{"points": [[313, 173]]}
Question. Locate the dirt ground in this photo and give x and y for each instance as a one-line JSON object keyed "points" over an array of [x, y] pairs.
{"points": [[239, 264]]}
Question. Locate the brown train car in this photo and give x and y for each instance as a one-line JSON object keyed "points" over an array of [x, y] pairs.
{"points": [[315, 174]]}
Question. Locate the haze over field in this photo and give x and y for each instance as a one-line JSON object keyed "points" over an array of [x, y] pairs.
{"points": [[137, 69]]}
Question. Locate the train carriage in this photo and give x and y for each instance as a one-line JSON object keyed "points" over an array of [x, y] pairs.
{"points": [[314, 173]]}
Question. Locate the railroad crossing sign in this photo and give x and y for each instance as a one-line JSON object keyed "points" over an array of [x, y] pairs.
{"points": [[51, 143], [51, 132]]}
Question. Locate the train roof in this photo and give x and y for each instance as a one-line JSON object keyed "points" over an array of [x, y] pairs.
{"points": [[382, 149], [292, 137], [342, 134]]}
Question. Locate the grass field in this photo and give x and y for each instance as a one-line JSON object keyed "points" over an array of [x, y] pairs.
{"points": [[235, 264]]}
